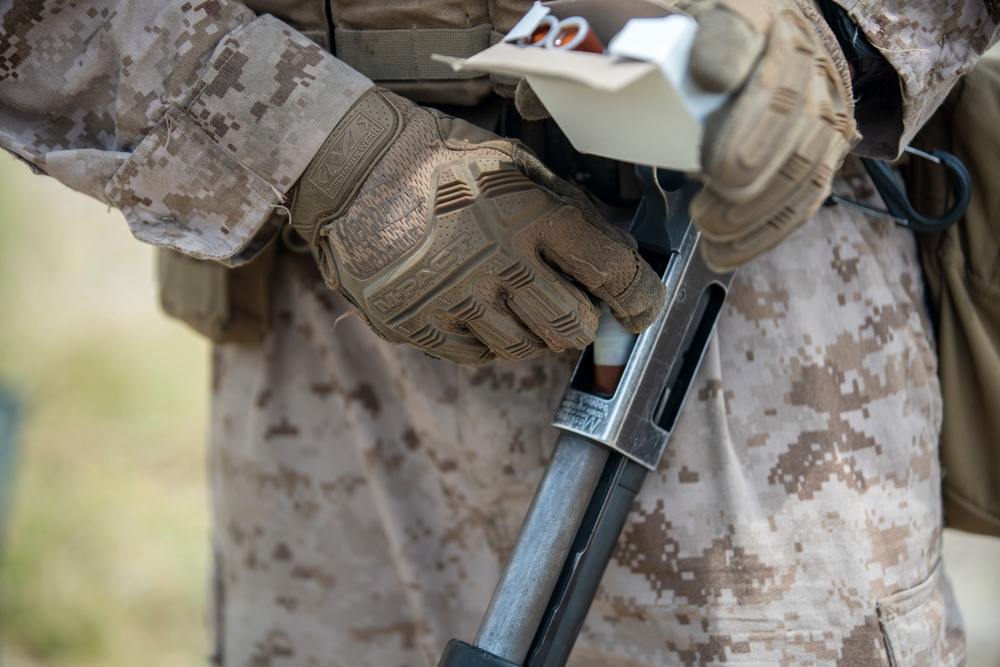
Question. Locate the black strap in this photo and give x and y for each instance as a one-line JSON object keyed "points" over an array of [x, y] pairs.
{"points": [[868, 62]]}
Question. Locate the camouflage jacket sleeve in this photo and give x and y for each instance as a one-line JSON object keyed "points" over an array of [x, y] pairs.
{"points": [[930, 44], [193, 117]]}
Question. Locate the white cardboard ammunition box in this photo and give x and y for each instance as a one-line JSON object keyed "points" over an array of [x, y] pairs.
{"points": [[633, 103]]}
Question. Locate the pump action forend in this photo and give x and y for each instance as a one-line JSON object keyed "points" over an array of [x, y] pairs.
{"points": [[606, 447]]}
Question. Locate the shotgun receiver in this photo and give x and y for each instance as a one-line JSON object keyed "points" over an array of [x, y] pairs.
{"points": [[605, 448]]}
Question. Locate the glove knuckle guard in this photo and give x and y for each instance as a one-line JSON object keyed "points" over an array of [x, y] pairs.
{"points": [[463, 278]]}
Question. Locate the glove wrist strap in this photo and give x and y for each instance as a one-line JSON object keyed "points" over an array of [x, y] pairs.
{"points": [[343, 163]]}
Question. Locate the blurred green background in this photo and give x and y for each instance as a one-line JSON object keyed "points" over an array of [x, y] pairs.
{"points": [[106, 549]]}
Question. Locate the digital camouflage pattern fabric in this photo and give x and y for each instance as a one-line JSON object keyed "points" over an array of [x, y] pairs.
{"points": [[366, 494], [192, 118], [367, 498], [196, 116]]}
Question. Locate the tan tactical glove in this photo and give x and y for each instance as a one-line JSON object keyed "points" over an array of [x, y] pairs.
{"points": [[770, 153], [461, 243]]}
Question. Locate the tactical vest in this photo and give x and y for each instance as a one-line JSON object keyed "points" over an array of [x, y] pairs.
{"points": [[391, 41]]}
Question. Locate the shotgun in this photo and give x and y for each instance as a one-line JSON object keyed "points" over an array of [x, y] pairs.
{"points": [[606, 446]]}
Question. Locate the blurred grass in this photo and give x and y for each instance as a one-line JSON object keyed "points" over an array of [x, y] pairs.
{"points": [[106, 545]]}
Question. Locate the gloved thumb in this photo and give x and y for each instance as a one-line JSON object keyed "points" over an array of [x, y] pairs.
{"points": [[725, 50], [527, 103]]}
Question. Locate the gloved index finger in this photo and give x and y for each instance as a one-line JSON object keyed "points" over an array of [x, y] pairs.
{"points": [[608, 269]]}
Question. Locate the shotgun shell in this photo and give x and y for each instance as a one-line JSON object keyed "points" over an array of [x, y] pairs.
{"points": [[541, 31], [612, 346], [574, 34]]}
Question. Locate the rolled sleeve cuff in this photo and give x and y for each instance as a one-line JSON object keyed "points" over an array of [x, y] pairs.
{"points": [[208, 178], [930, 44]]}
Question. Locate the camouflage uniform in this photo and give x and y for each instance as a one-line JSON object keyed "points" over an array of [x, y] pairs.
{"points": [[365, 495]]}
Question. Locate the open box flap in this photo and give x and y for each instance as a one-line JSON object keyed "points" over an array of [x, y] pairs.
{"points": [[596, 71], [634, 103], [644, 123]]}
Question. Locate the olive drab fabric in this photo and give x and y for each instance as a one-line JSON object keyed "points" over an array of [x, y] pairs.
{"points": [[962, 266], [224, 304], [391, 42]]}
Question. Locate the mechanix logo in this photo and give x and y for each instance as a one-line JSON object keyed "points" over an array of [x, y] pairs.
{"points": [[438, 267], [337, 169]]}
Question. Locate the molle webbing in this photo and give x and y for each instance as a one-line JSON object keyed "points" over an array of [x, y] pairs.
{"points": [[405, 55]]}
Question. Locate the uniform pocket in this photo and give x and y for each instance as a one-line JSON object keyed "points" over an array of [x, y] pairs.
{"points": [[227, 305], [921, 625]]}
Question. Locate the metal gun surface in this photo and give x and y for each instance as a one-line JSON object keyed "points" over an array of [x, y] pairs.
{"points": [[605, 448]]}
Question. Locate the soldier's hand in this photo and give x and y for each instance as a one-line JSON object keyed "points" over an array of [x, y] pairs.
{"points": [[461, 243], [771, 152]]}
